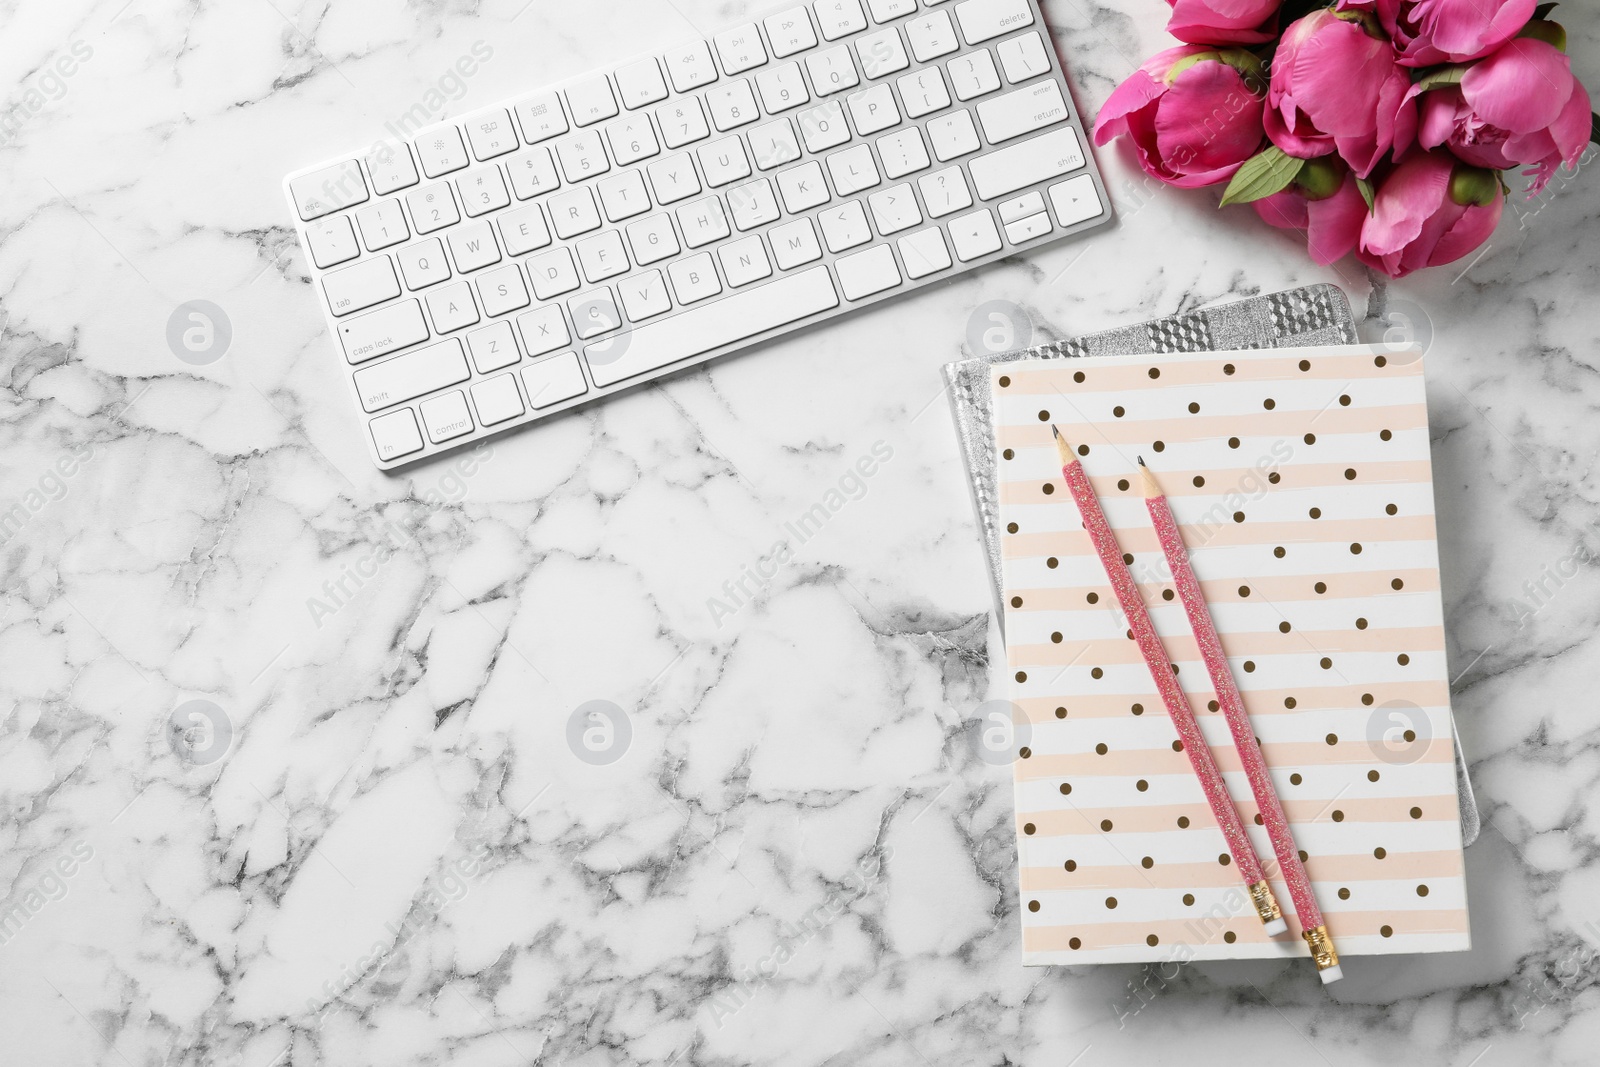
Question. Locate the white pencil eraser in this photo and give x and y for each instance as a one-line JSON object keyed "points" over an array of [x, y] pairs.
{"points": [[1330, 974], [1276, 927]]}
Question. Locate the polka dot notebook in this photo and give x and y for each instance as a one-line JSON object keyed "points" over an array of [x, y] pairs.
{"points": [[1302, 481]]}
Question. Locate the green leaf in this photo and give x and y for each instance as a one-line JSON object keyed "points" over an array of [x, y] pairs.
{"points": [[1367, 193], [1543, 11], [1267, 172], [1440, 77]]}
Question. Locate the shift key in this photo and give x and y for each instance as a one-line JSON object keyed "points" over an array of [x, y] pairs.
{"points": [[408, 376], [382, 332], [1021, 165]]}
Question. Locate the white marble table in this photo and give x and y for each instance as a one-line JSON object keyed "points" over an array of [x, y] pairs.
{"points": [[389, 853]]}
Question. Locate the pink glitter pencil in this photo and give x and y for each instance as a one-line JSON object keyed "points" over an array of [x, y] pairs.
{"points": [[1313, 928], [1160, 664]]}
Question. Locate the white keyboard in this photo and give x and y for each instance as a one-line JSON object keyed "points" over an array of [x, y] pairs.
{"points": [[567, 245]]}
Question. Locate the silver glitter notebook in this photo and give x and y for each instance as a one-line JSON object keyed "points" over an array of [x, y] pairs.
{"points": [[1296, 318]]}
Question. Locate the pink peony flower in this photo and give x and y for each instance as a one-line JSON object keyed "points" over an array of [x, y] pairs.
{"points": [[1432, 209], [1427, 32], [1324, 204], [1336, 88], [1193, 114], [1224, 21], [1520, 105]]}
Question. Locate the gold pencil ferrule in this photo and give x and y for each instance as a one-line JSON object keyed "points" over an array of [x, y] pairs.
{"points": [[1266, 904], [1322, 951]]}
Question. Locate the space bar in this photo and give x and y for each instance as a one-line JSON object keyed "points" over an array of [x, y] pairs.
{"points": [[701, 329]]}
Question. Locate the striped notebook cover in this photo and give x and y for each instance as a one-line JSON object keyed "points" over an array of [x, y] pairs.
{"points": [[1302, 480]]}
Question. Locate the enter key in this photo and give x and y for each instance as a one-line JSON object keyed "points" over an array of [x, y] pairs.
{"points": [[1022, 111]]}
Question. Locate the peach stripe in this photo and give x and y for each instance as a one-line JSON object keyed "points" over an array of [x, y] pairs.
{"points": [[1211, 875], [1156, 818], [1182, 648], [1135, 374], [1288, 424], [1432, 693], [1146, 762], [1224, 532], [1299, 476], [1108, 935], [1276, 589]]}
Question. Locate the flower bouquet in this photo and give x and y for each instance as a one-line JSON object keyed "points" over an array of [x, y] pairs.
{"points": [[1374, 126]]}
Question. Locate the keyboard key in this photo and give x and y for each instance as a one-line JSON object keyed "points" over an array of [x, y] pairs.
{"points": [[432, 207], [782, 87], [493, 347], [953, 135], [411, 374], [396, 434], [502, 290], [732, 104], [441, 151], [582, 157], [931, 36], [740, 49], [873, 110], [423, 264], [1076, 200], [973, 74], [652, 239], [591, 101], [382, 224], [694, 279], [944, 191], [553, 380], [868, 272], [482, 191], [330, 189], [691, 66], [391, 168], [702, 221], [881, 53], [472, 246], [1020, 207], [602, 256], [532, 173], [790, 32], [1022, 111], [632, 139], [903, 153], [360, 286], [1023, 57], [543, 330], [774, 144], [723, 161], [845, 226], [446, 417], [622, 196], [573, 212], [795, 243], [641, 83], [746, 313], [832, 71], [884, 10], [1025, 230], [839, 17], [552, 273], [803, 187], [974, 235], [644, 295], [924, 253], [381, 332], [982, 20], [523, 230], [594, 313], [923, 92], [823, 127], [894, 209], [491, 133], [673, 178], [1028, 163], [753, 204], [853, 170], [744, 261], [497, 399], [541, 117], [682, 122], [452, 308], [332, 241]]}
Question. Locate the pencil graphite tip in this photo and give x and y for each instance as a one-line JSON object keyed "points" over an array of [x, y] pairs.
{"points": [[1140, 459], [1152, 488], [1063, 447]]}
